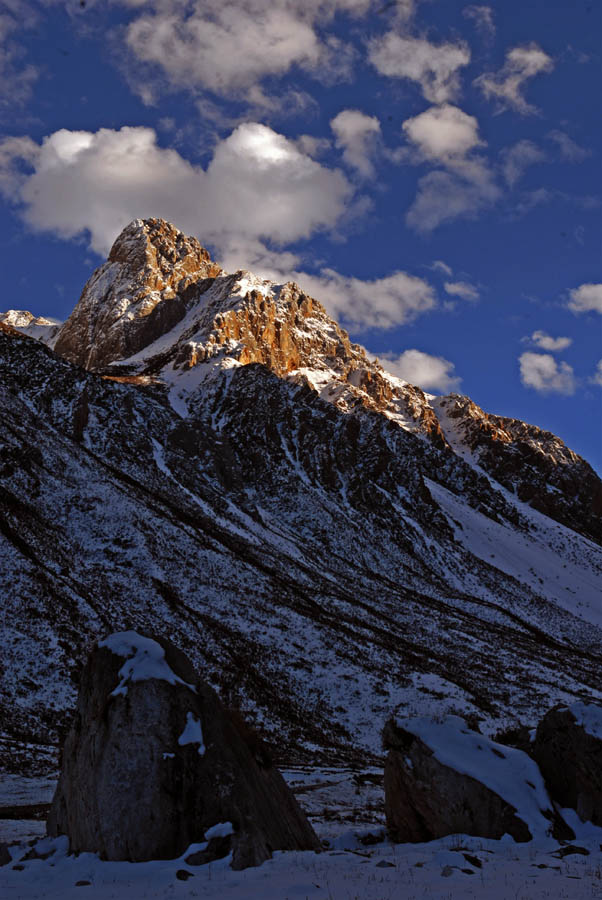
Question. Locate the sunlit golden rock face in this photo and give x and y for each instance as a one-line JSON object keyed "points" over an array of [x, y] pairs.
{"points": [[136, 296]]}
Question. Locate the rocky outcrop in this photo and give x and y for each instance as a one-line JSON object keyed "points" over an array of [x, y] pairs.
{"points": [[568, 750], [534, 464], [38, 327], [153, 763], [139, 294], [441, 778]]}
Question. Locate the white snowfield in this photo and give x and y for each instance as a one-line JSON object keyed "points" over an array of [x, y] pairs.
{"points": [[451, 868], [510, 773], [145, 659]]}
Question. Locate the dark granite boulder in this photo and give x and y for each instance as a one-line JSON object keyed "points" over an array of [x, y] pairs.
{"points": [[441, 778], [153, 763], [568, 750]]}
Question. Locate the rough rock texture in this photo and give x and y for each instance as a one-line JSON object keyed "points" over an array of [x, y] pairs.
{"points": [[534, 464], [425, 799], [153, 763], [137, 295], [570, 759]]}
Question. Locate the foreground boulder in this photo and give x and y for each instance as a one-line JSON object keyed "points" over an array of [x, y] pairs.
{"points": [[568, 750], [441, 778], [153, 763]]}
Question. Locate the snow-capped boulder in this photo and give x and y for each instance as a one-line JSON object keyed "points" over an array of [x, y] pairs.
{"points": [[442, 778], [153, 764], [568, 750]]}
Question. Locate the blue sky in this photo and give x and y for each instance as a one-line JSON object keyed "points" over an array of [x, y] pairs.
{"points": [[429, 170]]}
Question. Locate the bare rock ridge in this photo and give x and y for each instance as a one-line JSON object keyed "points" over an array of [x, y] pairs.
{"points": [[153, 763]]}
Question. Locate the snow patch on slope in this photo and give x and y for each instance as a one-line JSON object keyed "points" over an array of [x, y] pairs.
{"points": [[550, 558]]}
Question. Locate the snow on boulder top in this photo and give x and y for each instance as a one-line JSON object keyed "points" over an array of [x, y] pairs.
{"points": [[510, 773], [145, 659], [588, 716]]}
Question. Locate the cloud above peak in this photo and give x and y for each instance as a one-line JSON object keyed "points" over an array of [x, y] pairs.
{"points": [[357, 136], [586, 298], [546, 375], [443, 133], [228, 47], [258, 184], [435, 67], [547, 342], [465, 185], [423, 369], [505, 86]]}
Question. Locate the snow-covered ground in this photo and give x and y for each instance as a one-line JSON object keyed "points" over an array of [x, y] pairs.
{"points": [[346, 809], [453, 867]]}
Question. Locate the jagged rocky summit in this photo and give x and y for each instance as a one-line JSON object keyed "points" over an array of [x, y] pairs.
{"points": [[208, 454]]}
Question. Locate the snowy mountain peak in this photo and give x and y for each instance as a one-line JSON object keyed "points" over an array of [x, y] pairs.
{"points": [[38, 327], [137, 295], [161, 310]]}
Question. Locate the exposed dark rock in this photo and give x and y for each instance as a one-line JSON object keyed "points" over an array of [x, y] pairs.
{"points": [[570, 758], [5, 856], [534, 464], [427, 799], [153, 763]]}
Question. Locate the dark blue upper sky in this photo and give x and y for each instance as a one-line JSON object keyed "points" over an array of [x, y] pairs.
{"points": [[429, 170]]}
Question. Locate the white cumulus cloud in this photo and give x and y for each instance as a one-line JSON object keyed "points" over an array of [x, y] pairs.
{"points": [[517, 159], [586, 298], [427, 371], [229, 47], [546, 342], [447, 136], [257, 185], [506, 85], [435, 67], [443, 133], [462, 289], [357, 136], [380, 303], [597, 376], [443, 197], [546, 375]]}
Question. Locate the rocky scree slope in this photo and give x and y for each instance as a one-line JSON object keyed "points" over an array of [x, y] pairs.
{"points": [[252, 486]]}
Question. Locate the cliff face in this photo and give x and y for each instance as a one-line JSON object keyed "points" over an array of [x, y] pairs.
{"points": [[136, 296], [528, 461]]}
